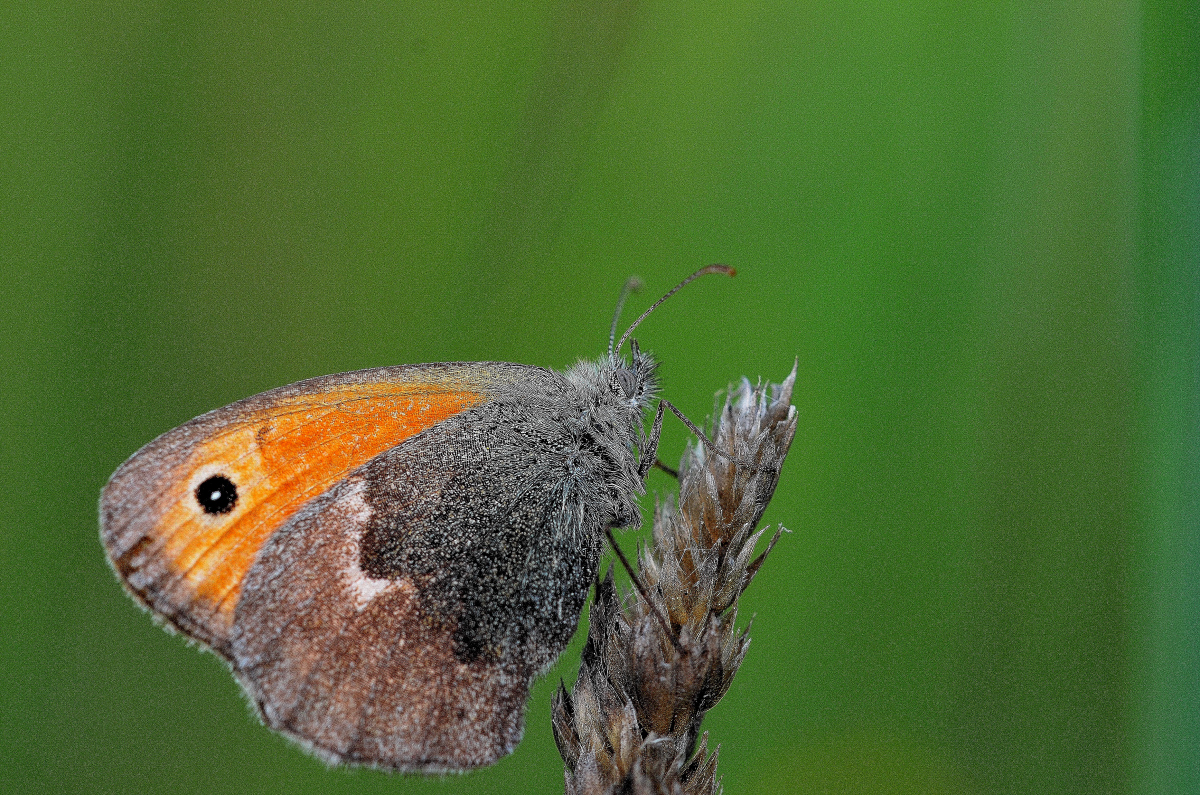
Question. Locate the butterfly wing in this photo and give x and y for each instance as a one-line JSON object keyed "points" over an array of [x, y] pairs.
{"points": [[399, 619], [184, 518]]}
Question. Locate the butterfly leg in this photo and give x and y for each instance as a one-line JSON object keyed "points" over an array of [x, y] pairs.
{"points": [[641, 589], [660, 465]]}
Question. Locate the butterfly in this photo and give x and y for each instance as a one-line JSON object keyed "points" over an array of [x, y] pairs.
{"points": [[387, 558]]}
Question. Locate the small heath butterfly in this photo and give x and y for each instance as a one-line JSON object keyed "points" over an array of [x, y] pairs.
{"points": [[387, 558]]}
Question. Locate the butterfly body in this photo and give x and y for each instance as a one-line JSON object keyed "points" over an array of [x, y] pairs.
{"points": [[387, 558]]}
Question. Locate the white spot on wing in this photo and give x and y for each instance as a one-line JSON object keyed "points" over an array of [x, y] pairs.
{"points": [[360, 586], [363, 588]]}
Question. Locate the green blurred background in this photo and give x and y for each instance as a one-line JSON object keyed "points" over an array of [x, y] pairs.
{"points": [[976, 224]]}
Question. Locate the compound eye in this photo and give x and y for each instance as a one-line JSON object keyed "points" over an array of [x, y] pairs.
{"points": [[627, 382]]}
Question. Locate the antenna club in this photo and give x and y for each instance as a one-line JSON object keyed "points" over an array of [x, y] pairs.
{"points": [[716, 268]]}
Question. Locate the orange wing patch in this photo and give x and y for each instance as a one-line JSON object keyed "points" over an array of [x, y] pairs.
{"points": [[188, 564]]}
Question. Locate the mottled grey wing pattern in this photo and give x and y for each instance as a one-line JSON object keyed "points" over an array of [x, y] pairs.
{"points": [[399, 618]]}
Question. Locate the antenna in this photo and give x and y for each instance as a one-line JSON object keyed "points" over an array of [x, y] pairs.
{"points": [[702, 272], [632, 285]]}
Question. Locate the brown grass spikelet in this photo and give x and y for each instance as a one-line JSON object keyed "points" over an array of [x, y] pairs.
{"points": [[631, 723]]}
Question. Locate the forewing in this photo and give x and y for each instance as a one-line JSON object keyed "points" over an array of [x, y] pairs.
{"points": [[279, 449]]}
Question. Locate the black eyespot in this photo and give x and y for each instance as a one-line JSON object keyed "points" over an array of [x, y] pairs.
{"points": [[217, 494]]}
